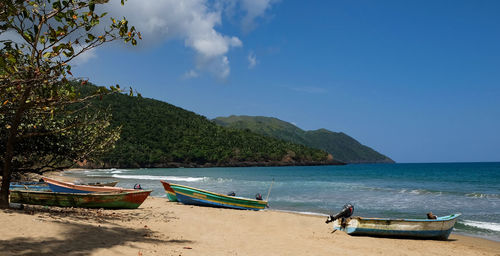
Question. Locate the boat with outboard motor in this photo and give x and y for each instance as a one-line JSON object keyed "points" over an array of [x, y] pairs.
{"points": [[431, 228], [439, 228]]}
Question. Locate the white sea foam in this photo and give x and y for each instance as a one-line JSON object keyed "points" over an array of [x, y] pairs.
{"points": [[484, 225], [481, 195], [151, 177]]}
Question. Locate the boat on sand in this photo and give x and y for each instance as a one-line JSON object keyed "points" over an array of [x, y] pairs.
{"points": [[121, 200], [67, 187], [194, 196], [439, 228]]}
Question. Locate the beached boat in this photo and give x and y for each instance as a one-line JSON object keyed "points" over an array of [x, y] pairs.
{"points": [[194, 196], [169, 191], [439, 228], [66, 187], [122, 200]]}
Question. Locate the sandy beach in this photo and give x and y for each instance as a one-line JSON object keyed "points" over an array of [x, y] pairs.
{"points": [[160, 227]]}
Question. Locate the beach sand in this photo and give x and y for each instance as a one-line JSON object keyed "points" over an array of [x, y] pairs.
{"points": [[160, 227]]}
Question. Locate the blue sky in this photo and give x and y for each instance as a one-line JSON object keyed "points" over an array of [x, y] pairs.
{"points": [[418, 81]]}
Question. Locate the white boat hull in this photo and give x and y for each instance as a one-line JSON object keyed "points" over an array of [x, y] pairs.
{"points": [[439, 228]]}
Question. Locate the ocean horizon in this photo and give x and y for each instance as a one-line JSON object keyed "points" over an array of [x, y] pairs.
{"points": [[402, 190]]}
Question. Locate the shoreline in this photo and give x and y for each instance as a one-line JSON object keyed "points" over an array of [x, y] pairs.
{"points": [[68, 178], [160, 227]]}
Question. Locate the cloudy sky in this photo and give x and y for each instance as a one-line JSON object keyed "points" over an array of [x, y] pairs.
{"points": [[416, 80]]}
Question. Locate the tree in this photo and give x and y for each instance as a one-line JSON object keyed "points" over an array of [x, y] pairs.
{"points": [[44, 120]]}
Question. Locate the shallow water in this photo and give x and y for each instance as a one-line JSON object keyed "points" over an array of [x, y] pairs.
{"points": [[380, 190]]}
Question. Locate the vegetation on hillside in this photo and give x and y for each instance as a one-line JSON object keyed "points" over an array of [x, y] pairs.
{"points": [[340, 145], [158, 134]]}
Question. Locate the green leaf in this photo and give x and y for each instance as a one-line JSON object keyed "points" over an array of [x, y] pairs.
{"points": [[56, 5], [28, 36]]}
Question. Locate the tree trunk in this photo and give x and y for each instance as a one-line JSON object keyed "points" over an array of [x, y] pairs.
{"points": [[6, 170], [9, 151]]}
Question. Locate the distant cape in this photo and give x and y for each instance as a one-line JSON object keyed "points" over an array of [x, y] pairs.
{"points": [[340, 145]]}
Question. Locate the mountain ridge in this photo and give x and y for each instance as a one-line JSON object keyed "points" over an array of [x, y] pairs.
{"points": [[342, 146], [158, 134]]}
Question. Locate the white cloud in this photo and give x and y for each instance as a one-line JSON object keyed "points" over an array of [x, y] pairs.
{"points": [[250, 10], [252, 60], [85, 56], [254, 9], [190, 74], [193, 21]]}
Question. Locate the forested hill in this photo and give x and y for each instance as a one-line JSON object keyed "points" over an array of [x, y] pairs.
{"points": [[340, 145], [158, 134]]}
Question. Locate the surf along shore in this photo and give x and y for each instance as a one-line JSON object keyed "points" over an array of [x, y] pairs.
{"points": [[160, 227]]}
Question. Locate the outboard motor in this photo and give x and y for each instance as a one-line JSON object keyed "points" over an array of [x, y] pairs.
{"points": [[346, 212], [258, 196], [137, 186], [231, 193]]}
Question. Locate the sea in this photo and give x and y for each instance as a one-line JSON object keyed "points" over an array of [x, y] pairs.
{"points": [[375, 190]]}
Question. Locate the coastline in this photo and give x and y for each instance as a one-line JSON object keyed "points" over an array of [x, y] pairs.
{"points": [[210, 165], [74, 176], [160, 227]]}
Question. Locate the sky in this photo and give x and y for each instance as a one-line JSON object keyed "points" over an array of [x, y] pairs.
{"points": [[418, 81]]}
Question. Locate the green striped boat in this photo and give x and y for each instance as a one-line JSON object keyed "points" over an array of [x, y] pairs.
{"points": [[194, 196]]}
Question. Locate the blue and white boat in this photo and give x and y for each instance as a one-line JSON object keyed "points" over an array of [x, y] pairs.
{"points": [[66, 187], [439, 228]]}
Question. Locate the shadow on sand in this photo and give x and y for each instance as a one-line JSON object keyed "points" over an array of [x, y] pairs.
{"points": [[81, 239]]}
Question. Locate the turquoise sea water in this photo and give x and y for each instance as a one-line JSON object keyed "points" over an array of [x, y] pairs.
{"points": [[379, 190]]}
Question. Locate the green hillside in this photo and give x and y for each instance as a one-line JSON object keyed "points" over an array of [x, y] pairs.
{"points": [[340, 145], [158, 134]]}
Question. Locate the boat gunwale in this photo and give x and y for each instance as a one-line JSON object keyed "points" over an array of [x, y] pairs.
{"points": [[87, 188], [439, 219]]}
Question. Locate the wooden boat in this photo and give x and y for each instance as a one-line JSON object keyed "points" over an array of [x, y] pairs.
{"points": [[439, 228], [122, 200], [66, 187], [37, 186], [170, 192], [98, 184], [43, 186], [194, 196]]}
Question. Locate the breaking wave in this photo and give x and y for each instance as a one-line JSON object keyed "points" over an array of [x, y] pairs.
{"points": [[151, 177], [483, 225]]}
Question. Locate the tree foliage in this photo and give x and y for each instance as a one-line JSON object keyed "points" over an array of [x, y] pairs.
{"points": [[44, 121]]}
